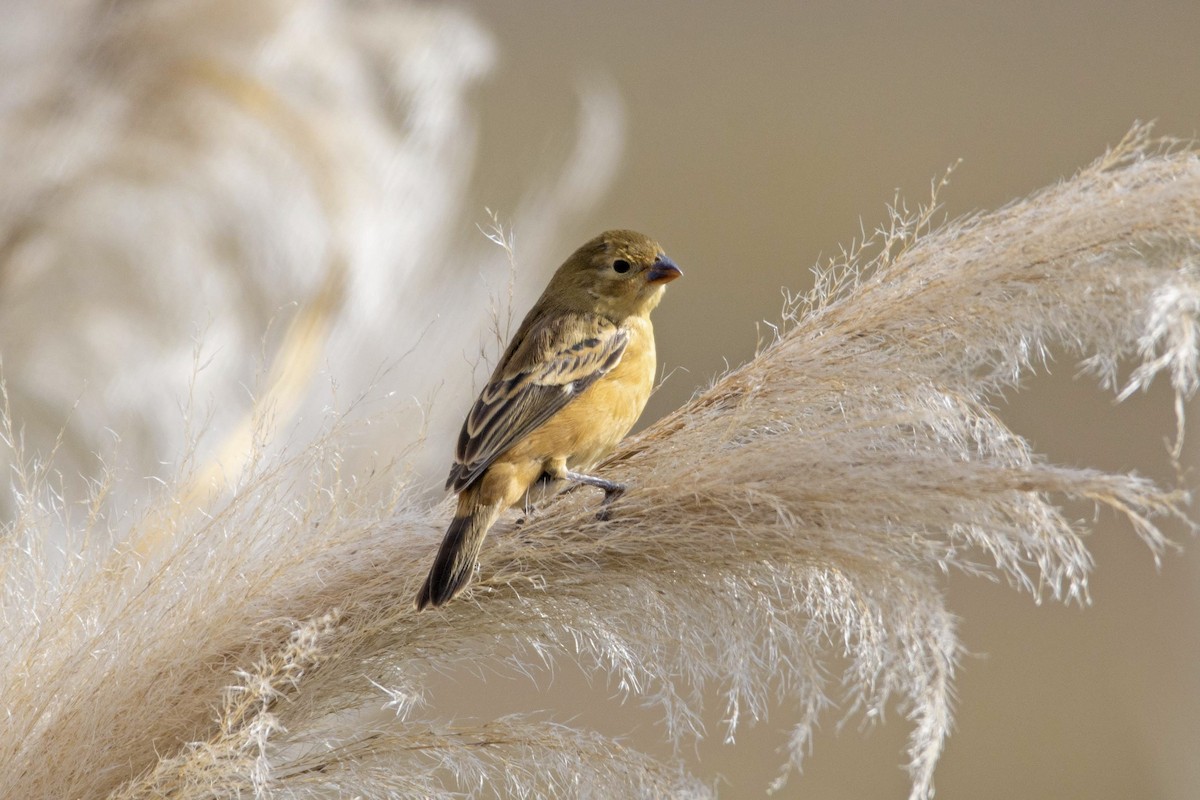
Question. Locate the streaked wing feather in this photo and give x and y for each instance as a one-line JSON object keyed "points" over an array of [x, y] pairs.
{"points": [[514, 404]]}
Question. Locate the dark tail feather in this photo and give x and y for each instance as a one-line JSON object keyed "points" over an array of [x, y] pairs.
{"points": [[455, 562]]}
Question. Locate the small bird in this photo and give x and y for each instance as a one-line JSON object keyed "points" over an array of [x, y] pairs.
{"points": [[569, 386]]}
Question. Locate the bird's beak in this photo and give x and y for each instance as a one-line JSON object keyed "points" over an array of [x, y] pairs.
{"points": [[663, 271]]}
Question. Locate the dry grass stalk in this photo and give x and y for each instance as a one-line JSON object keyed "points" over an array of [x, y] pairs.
{"points": [[798, 514]]}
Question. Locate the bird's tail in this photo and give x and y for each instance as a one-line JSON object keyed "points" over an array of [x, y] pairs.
{"points": [[455, 562]]}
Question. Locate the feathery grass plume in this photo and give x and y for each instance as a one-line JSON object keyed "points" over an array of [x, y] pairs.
{"points": [[784, 539], [148, 147]]}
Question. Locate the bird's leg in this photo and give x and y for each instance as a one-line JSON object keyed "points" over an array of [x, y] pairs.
{"points": [[527, 502], [612, 489]]}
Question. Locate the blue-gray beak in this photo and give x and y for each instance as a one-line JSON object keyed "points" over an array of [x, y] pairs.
{"points": [[663, 271]]}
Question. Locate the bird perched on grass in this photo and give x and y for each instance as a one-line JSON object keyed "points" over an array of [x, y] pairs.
{"points": [[570, 385]]}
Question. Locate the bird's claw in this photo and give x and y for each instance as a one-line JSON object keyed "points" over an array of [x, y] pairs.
{"points": [[610, 494]]}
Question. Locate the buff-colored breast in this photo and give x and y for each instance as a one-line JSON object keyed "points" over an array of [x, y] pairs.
{"points": [[591, 425]]}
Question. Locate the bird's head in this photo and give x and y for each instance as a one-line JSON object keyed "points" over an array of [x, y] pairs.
{"points": [[618, 274]]}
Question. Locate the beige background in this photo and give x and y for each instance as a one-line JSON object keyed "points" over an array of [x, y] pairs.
{"points": [[759, 137]]}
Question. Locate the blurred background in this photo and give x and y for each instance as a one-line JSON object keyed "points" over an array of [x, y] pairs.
{"points": [[193, 189]]}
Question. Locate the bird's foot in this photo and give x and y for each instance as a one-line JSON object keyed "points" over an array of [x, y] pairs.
{"points": [[612, 489]]}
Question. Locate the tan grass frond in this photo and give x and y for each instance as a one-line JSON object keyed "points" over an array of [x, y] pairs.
{"points": [[785, 535], [234, 758]]}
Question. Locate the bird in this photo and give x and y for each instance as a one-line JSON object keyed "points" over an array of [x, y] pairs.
{"points": [[571, 383]]}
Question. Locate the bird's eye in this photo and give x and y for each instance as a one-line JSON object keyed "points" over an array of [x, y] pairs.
{"points": [[621, 266]]}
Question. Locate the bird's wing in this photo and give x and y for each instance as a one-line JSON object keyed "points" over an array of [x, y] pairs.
{"points": [[539, 376]]}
